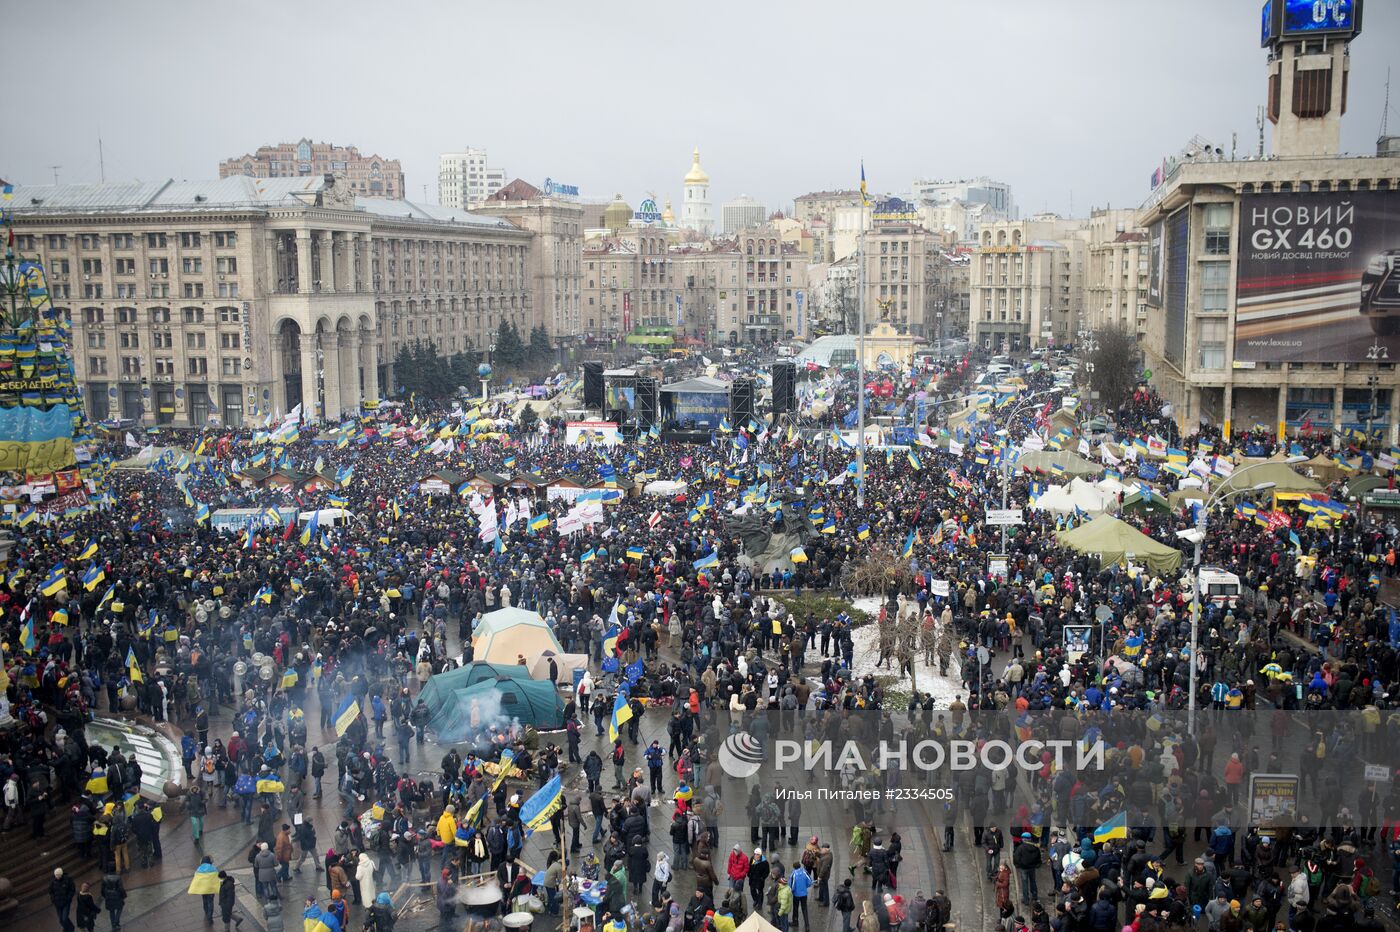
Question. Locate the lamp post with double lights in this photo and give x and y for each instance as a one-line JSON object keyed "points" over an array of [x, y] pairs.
{"points": [[1005, 478]]}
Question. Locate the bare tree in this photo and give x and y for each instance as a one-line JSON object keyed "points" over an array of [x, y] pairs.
{"points": [[1114, 362]]}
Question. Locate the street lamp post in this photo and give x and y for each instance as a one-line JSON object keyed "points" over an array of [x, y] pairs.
{"points": [[1005, 478], [1228, 490]]}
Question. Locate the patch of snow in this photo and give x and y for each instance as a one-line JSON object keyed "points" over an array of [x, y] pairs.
{"points": [[929, 681]]}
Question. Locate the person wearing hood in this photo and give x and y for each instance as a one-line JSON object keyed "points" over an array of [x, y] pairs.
{"points": [[265, 872], [61, 892], [364, 875], [868, 921], [737, 868], [660, 878], [759, 869], [381, 916]]}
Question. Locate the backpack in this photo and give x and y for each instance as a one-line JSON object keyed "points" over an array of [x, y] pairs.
{"points": [[1370, 886], [208, 765]]}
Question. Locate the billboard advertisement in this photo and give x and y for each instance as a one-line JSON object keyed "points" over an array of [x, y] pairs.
{"points": [[1154, 263], [1177, 284], [1318, 277]]}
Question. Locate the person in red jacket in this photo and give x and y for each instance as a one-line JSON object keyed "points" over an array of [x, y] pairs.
{"points": [[738, 868]]}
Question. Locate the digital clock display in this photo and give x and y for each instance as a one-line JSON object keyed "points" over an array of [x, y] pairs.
{"points": [[1303, 17]]}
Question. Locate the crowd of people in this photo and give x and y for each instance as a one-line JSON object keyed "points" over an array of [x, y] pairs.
{"points": [[164, 614]]}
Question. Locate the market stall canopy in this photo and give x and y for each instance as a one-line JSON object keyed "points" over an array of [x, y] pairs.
{"points": [[505, 635], [1069, 462], [756, 923], [665, 488], [440, 687], [1116, 540]]}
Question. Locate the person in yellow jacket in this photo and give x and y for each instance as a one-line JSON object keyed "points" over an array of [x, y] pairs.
{"points": [[447, 825]]}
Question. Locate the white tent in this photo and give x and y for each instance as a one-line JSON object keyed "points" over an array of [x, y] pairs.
{"points": [[1077, 496], [664, 487], [756, 923]]}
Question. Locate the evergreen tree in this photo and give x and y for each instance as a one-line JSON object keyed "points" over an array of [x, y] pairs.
{"points": [[528, 418], [540, 349], [510, 349], [406, 370]]}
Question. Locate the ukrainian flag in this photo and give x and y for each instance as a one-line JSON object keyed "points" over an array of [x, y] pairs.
{"points": [[133, 669], [621, 715], [536, 811], [337, 501], [345, 716], [539, 522], [909, 542], [706, 561], [798, 555], [106, 597], [863, 532], [271, 785], [589, 556], [505, 769], [26, 635], [914, 461], [67, 538], [1116, 827], [289, 679], [27, 518], [635, 553], [56, 582], [59, 617], [205, 881], [316, 920], [201, 513], [92, 577]]}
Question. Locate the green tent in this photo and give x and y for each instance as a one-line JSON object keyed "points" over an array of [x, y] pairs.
{"points": [[1280, 474], [1145, 503], [1115, 540], [498, 702], [1070, 463], [438, 691]]}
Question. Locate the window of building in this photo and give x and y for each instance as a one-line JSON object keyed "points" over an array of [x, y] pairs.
{"points": [[97, 365], [163, 340], [194, 340], [126, 266], [93, 315], [158, 291], [226, 265], [193, 290], [160, 315], [90, 241], [158, 266], [122, 241], [96, 339], [126, 315], [193, 315], [229, 315], [165, 365], [155, 241], [226, 239], [131, 365], [227, 290], [57, 241], [126, 290], [92, 291], [230, 365], [192, 265], [229, 341], [1213, 331], [197, 365], [1215, 286], [1216, 220], [189, 240]]}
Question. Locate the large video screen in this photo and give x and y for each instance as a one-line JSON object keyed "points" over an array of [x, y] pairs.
{"points": [[1154, 263], [1309, 17], [1318, 277]]}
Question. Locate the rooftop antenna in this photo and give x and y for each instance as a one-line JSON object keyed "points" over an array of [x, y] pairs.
{"points": [[55, 169], [101, 162], [1385, 110], [1259, 121]]}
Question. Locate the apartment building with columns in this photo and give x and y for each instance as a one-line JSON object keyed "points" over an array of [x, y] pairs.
{"points": [[224, 302]]}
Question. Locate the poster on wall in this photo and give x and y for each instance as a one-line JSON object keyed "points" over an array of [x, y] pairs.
{"points": [[1154, 263], [1319, 277]]}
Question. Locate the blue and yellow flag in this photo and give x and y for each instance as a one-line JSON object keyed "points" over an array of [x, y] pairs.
{"points": [[345, 716], [26, 635], [863, 532], [133, 669], [798, 555], [864, 194], [94, 575], [539, 522], [205, 881], [1116, 827], [289, 679], [536, 811], [621, 715], [56, 581], [706, 561]]}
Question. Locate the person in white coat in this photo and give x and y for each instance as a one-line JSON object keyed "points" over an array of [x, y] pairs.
{"points": [[364, 875]]}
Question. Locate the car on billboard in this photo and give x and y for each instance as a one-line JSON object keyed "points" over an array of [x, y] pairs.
{"points": [[1380, 293]]}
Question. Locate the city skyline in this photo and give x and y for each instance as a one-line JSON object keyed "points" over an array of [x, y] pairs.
{"points": [[1075, 142]]}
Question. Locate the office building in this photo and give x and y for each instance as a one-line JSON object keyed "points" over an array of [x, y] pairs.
{"points": [[465, 179], [742, 213]]}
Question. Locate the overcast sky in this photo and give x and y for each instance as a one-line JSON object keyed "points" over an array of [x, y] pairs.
{"points": [[1072, 102]]}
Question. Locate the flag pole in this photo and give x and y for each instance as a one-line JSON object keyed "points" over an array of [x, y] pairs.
{"points": [[860, 356]]}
